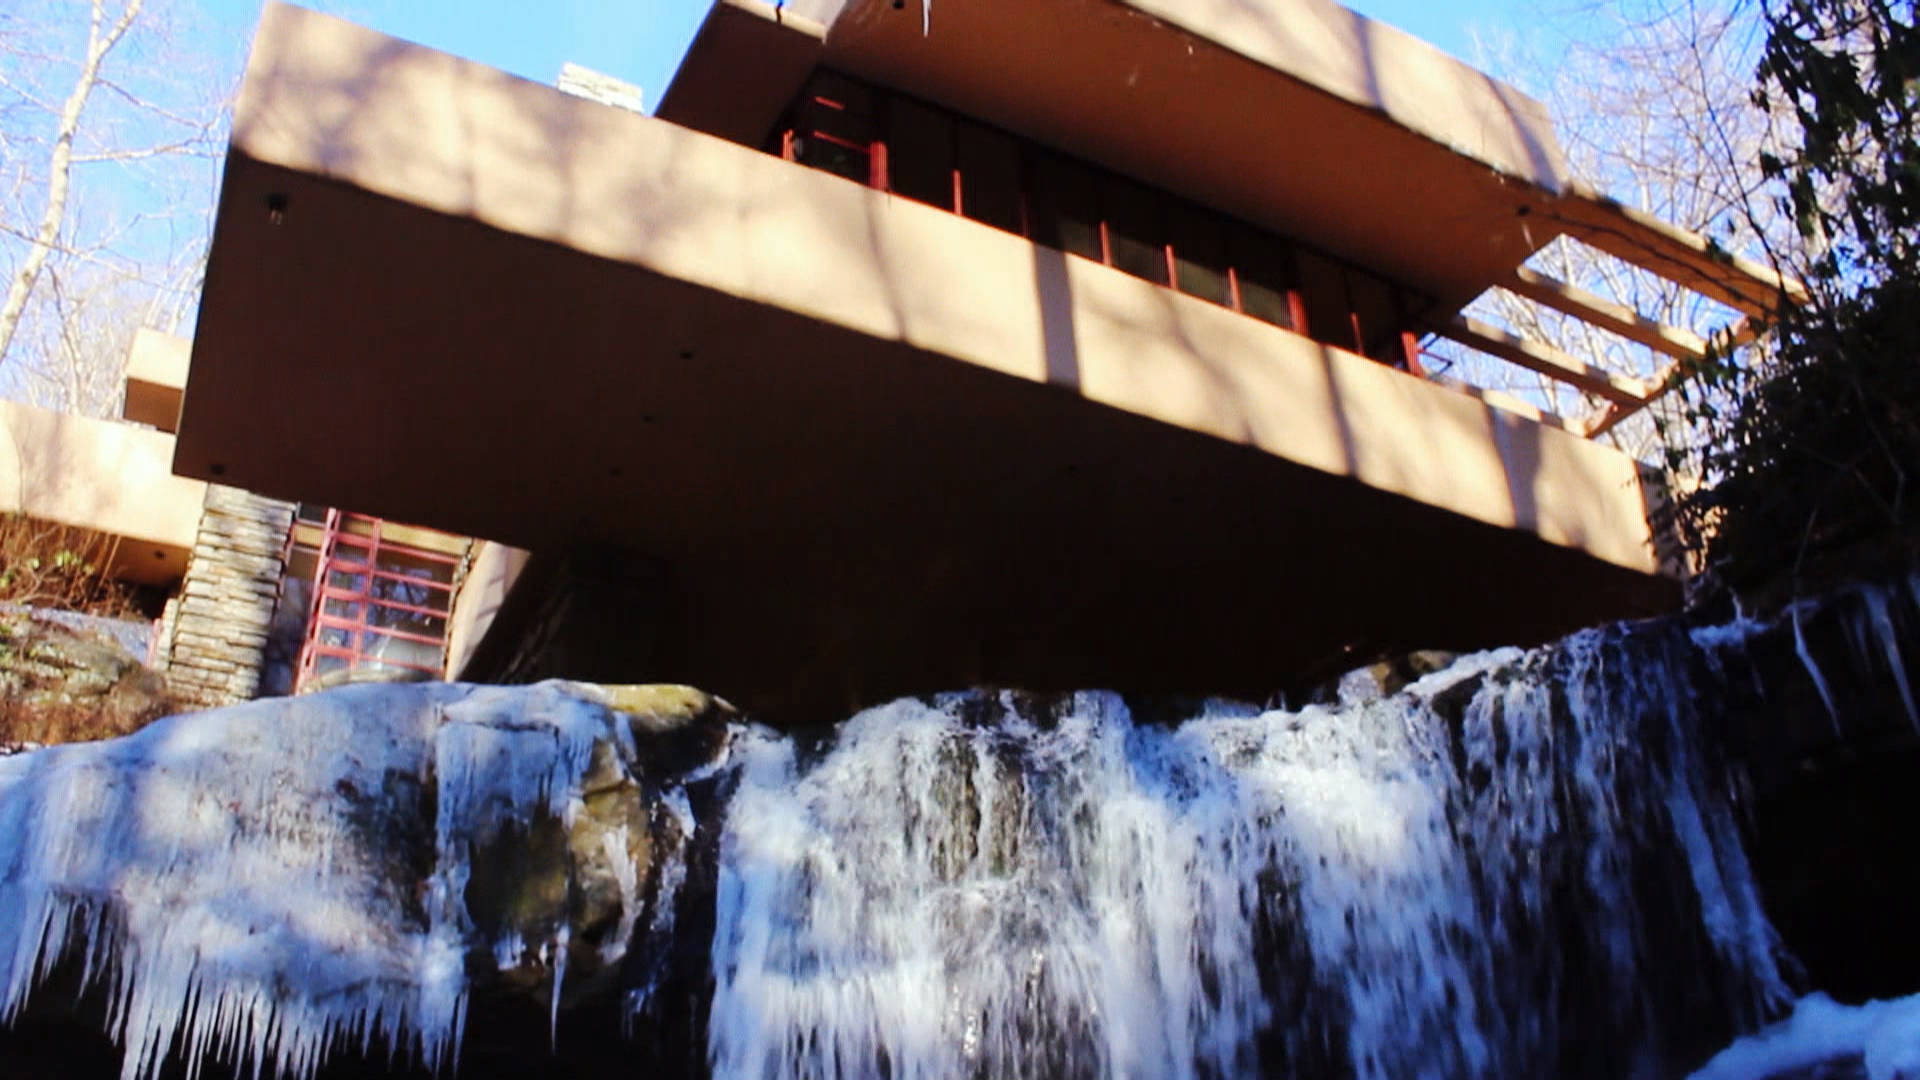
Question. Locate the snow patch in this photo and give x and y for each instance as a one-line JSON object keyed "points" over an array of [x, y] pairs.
{"points": [[1885, 1035]]}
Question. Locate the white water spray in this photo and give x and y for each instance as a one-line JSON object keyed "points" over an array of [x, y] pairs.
{"points": [[961, 888]]}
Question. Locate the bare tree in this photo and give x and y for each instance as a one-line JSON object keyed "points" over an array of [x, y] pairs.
{"points": [[110, 134], [1652, 100]]}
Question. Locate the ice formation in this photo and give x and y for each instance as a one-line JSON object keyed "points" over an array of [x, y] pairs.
{"points": [[1883, 1035], [221, 874], [1524, 864], [959, 887]]}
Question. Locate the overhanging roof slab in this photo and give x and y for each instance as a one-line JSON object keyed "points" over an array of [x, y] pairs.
{"points": [[1300, 115]]}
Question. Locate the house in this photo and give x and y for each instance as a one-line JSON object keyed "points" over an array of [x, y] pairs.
{"points": [[1047, 343], [250, 595]]}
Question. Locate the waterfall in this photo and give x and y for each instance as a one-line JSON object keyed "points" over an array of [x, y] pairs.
{"points": [[1513, 864], [1516, 866]]}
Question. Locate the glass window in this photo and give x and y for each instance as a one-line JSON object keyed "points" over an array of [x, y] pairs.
{"points": [[1199, 253], [1323, 291], [1376, 316], [302, 563], [834, 127], [990, 177], [920, 153], [1136, 237], [1066, 208], [1264, 266], [342, 609]]}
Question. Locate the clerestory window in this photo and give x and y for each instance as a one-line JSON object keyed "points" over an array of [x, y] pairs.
{"points": [[935, 156]]}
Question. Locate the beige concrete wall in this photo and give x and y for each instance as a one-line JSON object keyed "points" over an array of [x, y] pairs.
{"points": [[327, 98], [491, 576], [157, 367], [98, 474], [1377, 66]]}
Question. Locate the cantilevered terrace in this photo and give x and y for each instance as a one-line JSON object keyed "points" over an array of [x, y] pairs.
{"points": [[878, 434], [110, 478]]}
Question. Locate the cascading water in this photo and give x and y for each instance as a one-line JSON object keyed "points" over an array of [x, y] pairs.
{"points": [[1514, 867], [1522, 864]]}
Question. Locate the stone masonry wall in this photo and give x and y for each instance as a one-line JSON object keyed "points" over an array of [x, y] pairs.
{"points": [[215, 651]]}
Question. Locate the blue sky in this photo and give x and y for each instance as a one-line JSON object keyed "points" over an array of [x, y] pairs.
{"points": [[641, 40]]}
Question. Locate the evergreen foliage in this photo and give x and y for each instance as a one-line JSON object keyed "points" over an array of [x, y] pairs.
{"points": [[1818, 448]]}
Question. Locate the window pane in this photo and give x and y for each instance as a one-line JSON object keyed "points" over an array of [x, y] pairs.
{"points": [[1264, 266], [302, 563], [1134, 231], [822, 152], [1372, 301], [920, 153], [834, 127], [990, 177], [1066, 207], [342, 609], [1323, 289], [1200, 253]]}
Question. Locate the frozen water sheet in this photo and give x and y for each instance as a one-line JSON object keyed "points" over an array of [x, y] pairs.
{"points": [[1884, 1036], [973, 885], [208, 872]]}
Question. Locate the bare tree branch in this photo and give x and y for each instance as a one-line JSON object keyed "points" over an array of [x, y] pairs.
{"points": [[60, 166]]}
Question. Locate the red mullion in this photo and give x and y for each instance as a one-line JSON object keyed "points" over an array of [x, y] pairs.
{"points": [[1163, 208], [337, 622], [836, 140], [1353, 311], [1100, 207], [411, 609], [389, 575], [1296, 304], [953, 152], [1410, 345], [1409, 341], [421, 554], [390, 605], [329, 535], [403, 635], [352, 657], [877, 166]]}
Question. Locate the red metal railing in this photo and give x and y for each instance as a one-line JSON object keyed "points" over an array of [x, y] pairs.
{"points": [[377, 604]]}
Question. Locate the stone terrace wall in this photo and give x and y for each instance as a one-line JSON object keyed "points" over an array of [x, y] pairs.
{"points": [[217, 639]]}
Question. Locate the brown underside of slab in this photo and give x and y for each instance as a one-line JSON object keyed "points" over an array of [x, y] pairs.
{"points": [[843, 518]]}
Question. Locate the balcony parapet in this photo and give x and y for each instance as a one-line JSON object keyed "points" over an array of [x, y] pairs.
{"points": [[330, 102], [110, 477]]}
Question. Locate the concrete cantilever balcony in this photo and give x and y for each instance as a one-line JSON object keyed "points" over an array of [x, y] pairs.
{"points": [[880, 447], [104, 476]]}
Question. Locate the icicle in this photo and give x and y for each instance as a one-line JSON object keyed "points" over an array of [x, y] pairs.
{"points": [[559, 947], [941, 895], [1882, 621], [194, 868], [1813, 669]]}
